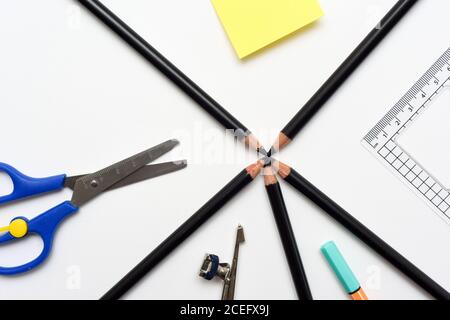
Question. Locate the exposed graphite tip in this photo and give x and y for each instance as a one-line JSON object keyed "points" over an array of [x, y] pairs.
{"points": [[262, 151], [267, 161]]}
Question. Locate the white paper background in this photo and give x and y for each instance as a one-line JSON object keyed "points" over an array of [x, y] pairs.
{"points": [[75, 98]]}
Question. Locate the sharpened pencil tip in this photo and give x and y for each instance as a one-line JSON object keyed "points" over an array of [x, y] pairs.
{"points": [[282, 169], [282, 141], [267, 161], [269, 176], [255, 169], [252, 142], [262, 151]]}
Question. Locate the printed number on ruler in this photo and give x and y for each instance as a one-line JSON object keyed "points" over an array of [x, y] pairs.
{"points": [[381, 140]]}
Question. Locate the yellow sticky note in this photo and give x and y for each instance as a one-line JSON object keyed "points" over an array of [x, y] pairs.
{"points": [[253, 24]]}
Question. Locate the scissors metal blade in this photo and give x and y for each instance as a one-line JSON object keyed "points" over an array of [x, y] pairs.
{"points": [[96, 183], [148, 172]]}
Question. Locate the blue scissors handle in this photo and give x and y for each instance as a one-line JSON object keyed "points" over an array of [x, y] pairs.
{"points": [[25, 186], [44, 226]]}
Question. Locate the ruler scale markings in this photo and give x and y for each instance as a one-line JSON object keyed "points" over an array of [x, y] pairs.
{"points": [[381, 140]]}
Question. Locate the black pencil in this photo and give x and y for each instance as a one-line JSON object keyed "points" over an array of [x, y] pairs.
{"points": [[184, 231], [287, 235], [172, 72], [363, 233], [333, 83]]}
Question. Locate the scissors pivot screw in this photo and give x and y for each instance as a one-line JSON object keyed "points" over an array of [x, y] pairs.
{"points": [[94, 183]]}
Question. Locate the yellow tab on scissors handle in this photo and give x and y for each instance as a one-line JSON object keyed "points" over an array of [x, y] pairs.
{"points": [[254, 24], [18, 228]]}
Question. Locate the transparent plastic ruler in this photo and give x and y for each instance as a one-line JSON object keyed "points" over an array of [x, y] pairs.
{"points": [[381, 140]]}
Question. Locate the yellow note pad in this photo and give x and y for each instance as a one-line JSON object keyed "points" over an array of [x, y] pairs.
{"points": [[253, 24]]}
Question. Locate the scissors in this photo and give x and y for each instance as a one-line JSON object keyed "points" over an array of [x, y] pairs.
{"points": [[85, 188]]}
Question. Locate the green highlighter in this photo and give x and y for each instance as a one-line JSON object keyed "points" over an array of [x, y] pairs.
{"points": [[343, 271]]}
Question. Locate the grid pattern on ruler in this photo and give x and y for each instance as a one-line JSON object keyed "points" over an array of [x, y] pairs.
{"points": [[381, 140], [416, 175]]}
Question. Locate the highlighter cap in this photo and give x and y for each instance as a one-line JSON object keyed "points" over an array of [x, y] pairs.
{"points": [[340, 267]]}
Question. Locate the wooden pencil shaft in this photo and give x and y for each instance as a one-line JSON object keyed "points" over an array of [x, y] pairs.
{"points": [[333, 83], [165, 66], [289, 242], [367, 236], [182, 233]]}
